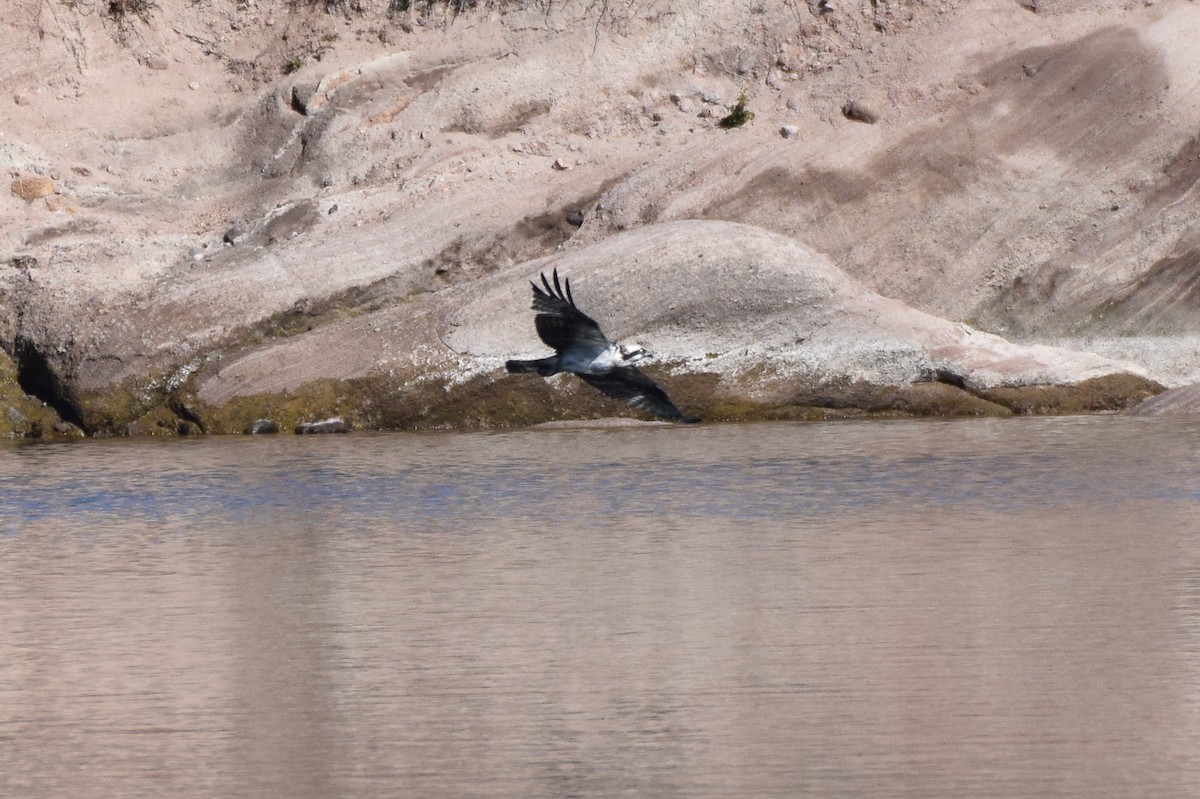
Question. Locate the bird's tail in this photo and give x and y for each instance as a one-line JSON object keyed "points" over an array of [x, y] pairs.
{"points": [[543, 366]]}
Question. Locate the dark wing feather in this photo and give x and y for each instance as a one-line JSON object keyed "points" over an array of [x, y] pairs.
{"points": [[630, 384], [559, 323]]}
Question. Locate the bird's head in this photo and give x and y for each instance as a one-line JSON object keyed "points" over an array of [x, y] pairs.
{"points": [[635, 353]]}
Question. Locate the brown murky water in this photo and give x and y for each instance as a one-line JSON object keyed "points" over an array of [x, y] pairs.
{"points": [[927, 609]]}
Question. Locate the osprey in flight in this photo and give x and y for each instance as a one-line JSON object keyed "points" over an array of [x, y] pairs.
{"points": [[581, 348]]}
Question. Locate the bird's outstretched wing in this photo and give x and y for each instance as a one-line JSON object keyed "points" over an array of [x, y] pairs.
{"points": [[559, 323], [632, 385]]}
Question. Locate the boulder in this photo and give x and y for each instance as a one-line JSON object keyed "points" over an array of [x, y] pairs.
{"points": [[1181, 401], [32, 187], [334, 424]]}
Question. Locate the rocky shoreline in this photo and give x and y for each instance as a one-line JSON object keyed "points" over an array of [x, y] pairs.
{"points": [[257, 211], [504, 403]]}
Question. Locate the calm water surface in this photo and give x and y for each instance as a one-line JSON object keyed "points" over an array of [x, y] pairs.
{"points": [[926, 609]]}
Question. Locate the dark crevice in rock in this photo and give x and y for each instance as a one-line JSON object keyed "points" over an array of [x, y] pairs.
{"points": [[187, 417], [37, 379]]}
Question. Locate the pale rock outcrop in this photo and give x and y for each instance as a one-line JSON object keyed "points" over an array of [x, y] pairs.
{"points": [[1181, 401], [710, 297], [337, 188]]}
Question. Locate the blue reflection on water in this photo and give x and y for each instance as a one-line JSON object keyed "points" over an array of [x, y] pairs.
{"points": [[451, 483]]}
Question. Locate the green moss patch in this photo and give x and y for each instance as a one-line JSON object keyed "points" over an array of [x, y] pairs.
{"points": [[112, 410], [501, 401], [310, 403], [803, 400], [1109, 393], [738, 115]]}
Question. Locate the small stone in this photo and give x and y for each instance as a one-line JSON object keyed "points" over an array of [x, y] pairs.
{"points": [[262, 427], [334, 424], [21, 99], [194, 85], [303, 93], [32, 187], [574, 217], [789, 131], [234, 234], [561, 164], [155, 61]]}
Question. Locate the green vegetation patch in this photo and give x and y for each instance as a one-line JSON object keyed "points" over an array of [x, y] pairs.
{"points": [[501, 401], [802, 399], [310, 403], [112, 410], [738, 115], [1106, 394]]}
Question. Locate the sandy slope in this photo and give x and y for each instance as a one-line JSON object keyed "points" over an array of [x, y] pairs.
{"points": [[219, 228]]}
